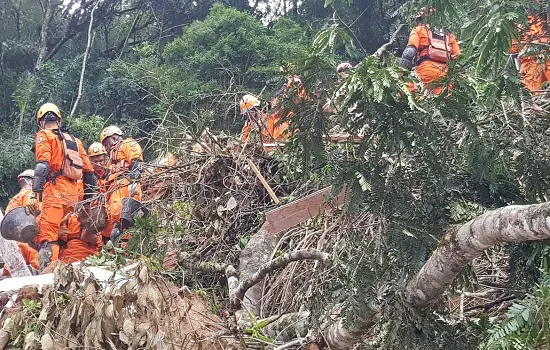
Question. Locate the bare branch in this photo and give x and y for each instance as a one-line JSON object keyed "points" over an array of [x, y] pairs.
{"points": [[384, 47], [305, 254], [84, 60]]}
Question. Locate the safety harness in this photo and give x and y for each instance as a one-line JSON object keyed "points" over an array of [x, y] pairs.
{"points": [[438, 49]]}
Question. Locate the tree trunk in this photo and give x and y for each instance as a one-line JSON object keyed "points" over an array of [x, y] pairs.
{"points": [[84, 60], [458, 247], [43, 42]]}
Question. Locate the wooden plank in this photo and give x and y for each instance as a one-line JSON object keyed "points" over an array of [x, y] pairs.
{"points": [[294, 213]]}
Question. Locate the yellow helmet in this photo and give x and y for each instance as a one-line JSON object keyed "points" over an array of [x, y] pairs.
{"points": [[48, 108], [96, 149], [248, 102], [109, 131], [27, 173]]}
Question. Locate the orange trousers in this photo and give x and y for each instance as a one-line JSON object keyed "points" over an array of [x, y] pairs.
{"points": [[431, 74], [77, 250], [57, 201], [534, 72], [118, 191]]}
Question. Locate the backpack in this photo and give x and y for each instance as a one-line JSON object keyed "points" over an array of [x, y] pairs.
{"points": [[439, 49], [73, 164]]}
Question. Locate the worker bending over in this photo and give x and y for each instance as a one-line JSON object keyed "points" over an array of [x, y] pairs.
{"points": [[268, 126], [430, 50]]}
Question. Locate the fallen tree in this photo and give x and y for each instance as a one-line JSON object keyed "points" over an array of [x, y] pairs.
{"points": [[457, 248]]}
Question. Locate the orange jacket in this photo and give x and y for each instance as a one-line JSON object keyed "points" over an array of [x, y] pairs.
{"points": [[48, 147], [19, 200], [272, 130], [419, 38], [535, 34], [122, 156], [29, 254]]}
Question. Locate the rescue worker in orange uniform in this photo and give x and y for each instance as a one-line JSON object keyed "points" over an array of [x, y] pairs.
{"points": [[100, 162], [532, 53], [78, 245], [269, 126], [125, 170], [98, 157], [429, 50], [61, 162], [20, 200]]}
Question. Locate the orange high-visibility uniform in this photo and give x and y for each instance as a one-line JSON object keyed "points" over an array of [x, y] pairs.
{"points": [[534, 69], [429, 71], [29, 254], [76, 249], [271, 128], [60, 193], [121, 157]]}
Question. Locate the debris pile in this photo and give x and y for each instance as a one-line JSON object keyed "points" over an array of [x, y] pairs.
{"points": [[140, 310]]}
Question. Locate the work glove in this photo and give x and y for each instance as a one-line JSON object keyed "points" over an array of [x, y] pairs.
{"points": [[32, 204], [132, 189]]}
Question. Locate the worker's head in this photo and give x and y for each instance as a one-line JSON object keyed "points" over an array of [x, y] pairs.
{"points": [[110, 136], [249, 105], [48, 116], [25, 179], [98, 157], [343, 69]]}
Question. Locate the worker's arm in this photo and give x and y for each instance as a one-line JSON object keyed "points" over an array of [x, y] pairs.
{"points": [[409, 54], [88, 176], [246, 131], [43, 154], [133, 154], [455, 49]]}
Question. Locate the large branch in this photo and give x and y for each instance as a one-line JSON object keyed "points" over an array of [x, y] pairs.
{"points": [[460, 246], [305, 254], [457, 248]]}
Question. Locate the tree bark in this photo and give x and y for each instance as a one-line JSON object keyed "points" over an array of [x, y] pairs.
{"points": [[43, 42], [84, 60], [460, 246]]}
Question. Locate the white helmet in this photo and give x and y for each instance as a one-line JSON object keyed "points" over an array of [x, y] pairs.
{"points": [[26, 173], [109, 131], [248, 102]]}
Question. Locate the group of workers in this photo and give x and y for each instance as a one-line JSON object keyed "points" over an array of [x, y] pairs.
{"points": [[67, 176], [67, 179], [428, 51]]}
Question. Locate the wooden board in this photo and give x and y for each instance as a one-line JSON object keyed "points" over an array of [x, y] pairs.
{"points": [[303, 209]]}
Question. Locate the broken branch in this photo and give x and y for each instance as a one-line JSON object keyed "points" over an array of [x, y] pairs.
{"points": [[305, 254]]}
